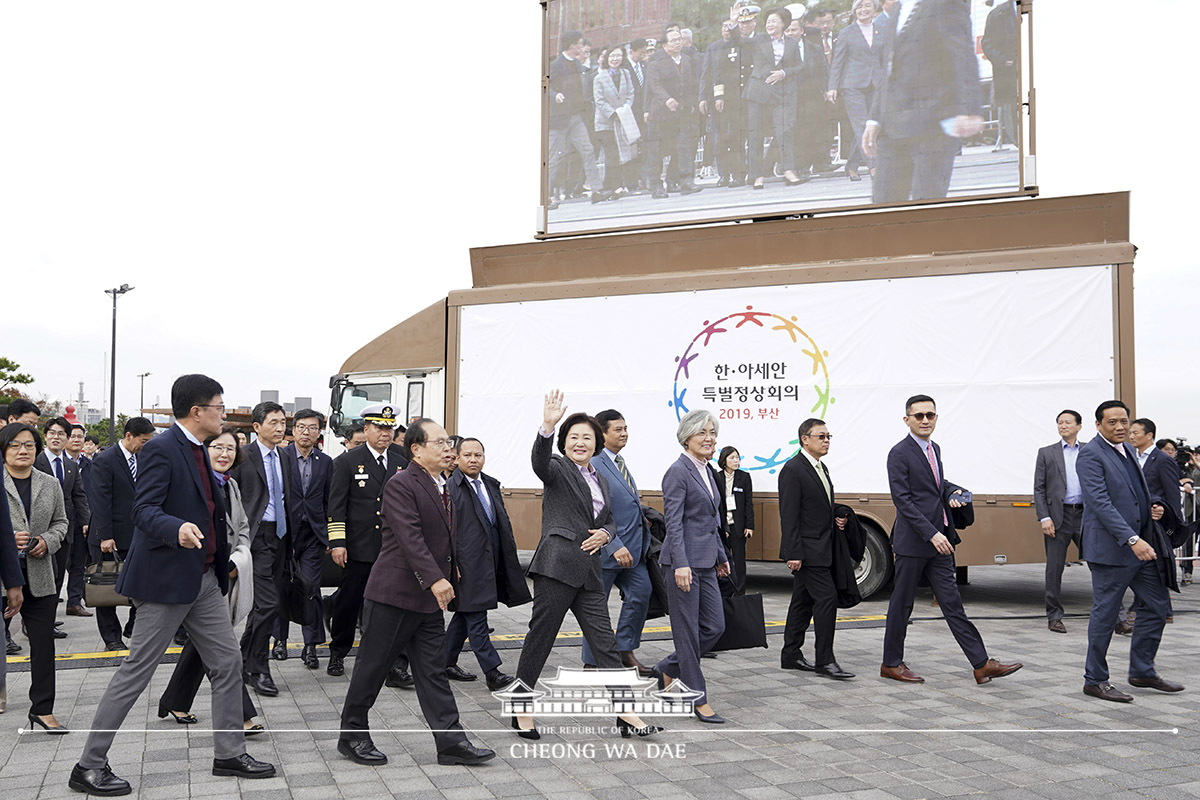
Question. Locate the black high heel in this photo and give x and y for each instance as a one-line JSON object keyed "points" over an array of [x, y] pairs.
{"points": [[185, 719], [628, 730], [57, 730], [523, 733]]}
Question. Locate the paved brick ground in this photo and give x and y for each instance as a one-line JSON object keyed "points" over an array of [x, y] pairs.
{"points": [[789, 734]]}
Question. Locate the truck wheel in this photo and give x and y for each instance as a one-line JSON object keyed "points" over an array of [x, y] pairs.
{"points": [[873, 572]]}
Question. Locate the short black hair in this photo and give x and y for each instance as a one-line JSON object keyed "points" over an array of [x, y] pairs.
{"points": [[917, 398], [192, 390], [237, 446], [20, 407], [93, 439], [726, 452], [353, 429], [1147, 425], [569, 38], [815, 14], [308, 413], [60, 422], [807, 426], [607, 417], [1078, 417], [263, 410], [1161, 443], [416, 435], [578, 419], [463, 440], [638, 44], [75, 426], [1106, 405], [139, 426], [10, 432]]}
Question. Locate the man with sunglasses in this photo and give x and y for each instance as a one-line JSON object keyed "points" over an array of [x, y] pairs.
{"points": [[923, 540]]}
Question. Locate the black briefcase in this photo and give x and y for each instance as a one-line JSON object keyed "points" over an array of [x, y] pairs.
{"points": [[745, 625], [100, 584], [297, 595], [331, 573]]}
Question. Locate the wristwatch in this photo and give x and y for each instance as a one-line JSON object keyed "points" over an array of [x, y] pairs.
{"points": [[1132, 540]]}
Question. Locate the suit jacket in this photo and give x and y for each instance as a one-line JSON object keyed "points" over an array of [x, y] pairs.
{"points": [[418, 546], [111, 498], [693, 518], [810, 79], [609, 96], [856, 64], [566, 78], [312, 506], [1050, 482], [1114, 506], [743, 494], [487, 577], [356, 500], [1162, 480], [10, 562], [1001, 43], [251, 476], [47, 519], [639, 93], [169, 493], [567, 516], [74, 496], [919, 501], [805, 514], [784, 92], [929, 71], [632, 530], [666, 81]]}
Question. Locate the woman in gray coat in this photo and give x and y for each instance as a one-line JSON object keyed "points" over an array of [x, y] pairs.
{"points": [[692, 558], [39, 520], [612, 91], [576, 515]]}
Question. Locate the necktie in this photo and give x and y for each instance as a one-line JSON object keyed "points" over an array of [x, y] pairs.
{"points": [[625, 473], [483, 499], [936, 478], [58, 473], [276, 496], [828, 46], [382, 464], [133, 468], [824, 481]]}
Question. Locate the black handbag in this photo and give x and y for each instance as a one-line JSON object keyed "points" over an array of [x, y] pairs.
{"points": [[745, 625], [331, 573], [297, 595], [100, 583]]}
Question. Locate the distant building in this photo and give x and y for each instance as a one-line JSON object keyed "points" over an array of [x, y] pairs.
{"points": [[610, 22]]}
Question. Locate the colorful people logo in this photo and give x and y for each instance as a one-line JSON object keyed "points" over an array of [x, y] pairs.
{"points": [[770, 379]]}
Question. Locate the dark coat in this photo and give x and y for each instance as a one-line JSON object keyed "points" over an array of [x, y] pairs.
{"points": [[487, 578], [848, 551], [659, 597], [805, 514], [1162, 479], [356, 500], [74, 495], [782, 93], [111, 496], [810, 79], [666, 81], [743, 494], [251, 476], [1116, 503], [919, 501], [10, 563], [418, 543], [1001, 44], [312, 506], [169, 493], [567, 79]]}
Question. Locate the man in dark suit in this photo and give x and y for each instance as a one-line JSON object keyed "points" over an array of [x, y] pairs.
{"points": [[1162, 476], [672, 96], [113, 481], [487, 561], [810, 132], [639, 60], [355, 505], [78, 560], [1001, 44], [923, 540], [1119, 541], [265, 480], [176, 574], [808, 528], [568, 105], [308, 521], [410, 587], [928, 101], [53, 460], [1058, 501]]}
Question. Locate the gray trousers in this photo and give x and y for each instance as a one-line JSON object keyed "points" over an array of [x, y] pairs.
{"points": [[573, 137], [1056, 557], [209, 628], [697, 622]]}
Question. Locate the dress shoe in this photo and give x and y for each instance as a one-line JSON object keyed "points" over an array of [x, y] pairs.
{"points": [[279, 651], [1056, 625], [361, 751], [1106, 691], [853, 175], [181, 637], [398, 679], [712, 719], [994, 669], [78, 611], [337, 666], [457, 673], [799, 662], [254, 730], [117, 645], [59, 634], [630, 659], [465, 753], [1123, 628], [832, 670], [659, 193], [1155, 682], [11, 648], [689, 188], [262, 684], [628, 730], [709, 654], [100, 782], [525, 733], [57, 730], [497, 680], [900, 672], [243, 766], [308, 656], [182, 717]]}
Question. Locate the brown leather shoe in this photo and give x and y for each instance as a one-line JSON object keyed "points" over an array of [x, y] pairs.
{"points": [[1056, 625], [78, 611], [1106, 691], [994, 669], [1162, 684], [900, 672], [630, 660], [1123, 628]]}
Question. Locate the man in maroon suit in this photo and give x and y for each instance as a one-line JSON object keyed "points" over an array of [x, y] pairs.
{"points": [[410, 586]]}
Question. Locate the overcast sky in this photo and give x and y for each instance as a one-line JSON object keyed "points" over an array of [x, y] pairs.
{"points": [[283, 181]]}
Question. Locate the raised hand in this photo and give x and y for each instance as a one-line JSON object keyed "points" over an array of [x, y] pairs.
{"points": [[553, 410]]}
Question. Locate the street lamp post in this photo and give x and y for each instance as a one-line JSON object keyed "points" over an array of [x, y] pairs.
{"points": [[112, 385], [142, 398]]}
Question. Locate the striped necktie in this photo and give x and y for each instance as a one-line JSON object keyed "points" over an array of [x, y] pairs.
{"points": [[625, 473]]}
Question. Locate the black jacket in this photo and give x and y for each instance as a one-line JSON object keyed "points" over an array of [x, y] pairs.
{"points": [[251, 476], [74, 496], [355, 500], [488, 578], [743, 494], [311, 507], [805, 514], [111, 496]]}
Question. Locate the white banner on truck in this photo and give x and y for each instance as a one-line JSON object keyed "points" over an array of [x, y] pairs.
{"points": [[1002, 353]]}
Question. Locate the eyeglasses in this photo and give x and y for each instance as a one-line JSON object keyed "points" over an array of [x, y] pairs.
{"points": [[306, 428], [824, 437], [222, 448], [921, 416], [443, 443], [19, 446], [220, 407]]}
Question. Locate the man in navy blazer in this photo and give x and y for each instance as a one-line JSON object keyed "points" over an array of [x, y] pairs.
{"points": [[176, 574], [923, 540], [624, 558], [1118, 515]]}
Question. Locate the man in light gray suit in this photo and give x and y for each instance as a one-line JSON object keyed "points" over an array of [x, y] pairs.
{"points": [[1058, 500]]}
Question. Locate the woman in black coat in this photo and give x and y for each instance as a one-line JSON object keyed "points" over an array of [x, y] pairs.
{"points": [[737, 511]]}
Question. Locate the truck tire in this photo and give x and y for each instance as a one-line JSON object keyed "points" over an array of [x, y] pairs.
{"points": [[875, 570]]}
